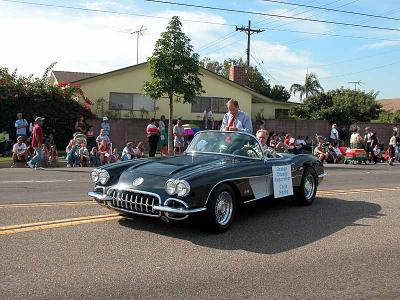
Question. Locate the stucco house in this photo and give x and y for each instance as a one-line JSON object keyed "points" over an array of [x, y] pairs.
{"points": [[122, 91]]}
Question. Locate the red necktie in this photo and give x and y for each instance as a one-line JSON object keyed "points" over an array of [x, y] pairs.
{"points": [[231, 120]]}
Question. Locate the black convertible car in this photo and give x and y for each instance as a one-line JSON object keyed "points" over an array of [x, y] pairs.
{"points": [[218, 173]]}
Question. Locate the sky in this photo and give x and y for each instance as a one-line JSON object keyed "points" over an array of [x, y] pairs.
{"points": [[33, 36]]}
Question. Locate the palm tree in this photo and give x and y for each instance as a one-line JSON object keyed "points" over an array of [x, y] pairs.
{"points": [[311, 87]]}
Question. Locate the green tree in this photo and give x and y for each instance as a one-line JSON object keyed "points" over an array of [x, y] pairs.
{"points": [[342, 106], [311, 87], [174, 71], [253, 78], [389, 117]]}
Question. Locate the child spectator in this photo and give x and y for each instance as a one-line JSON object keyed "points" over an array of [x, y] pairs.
{"points": [[320, 152], [114, 156], [138, 152], [45, 155], [91, 140], [83, 155], [20, 151], [104, 152], [72, 154], [53, 156], [94, 157], [127, 153], [49, 140], [105, 126]]}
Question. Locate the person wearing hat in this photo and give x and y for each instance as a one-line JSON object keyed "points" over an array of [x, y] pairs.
{"points": [[36, 143], [20, 151], [106, 126], [21, 125]]}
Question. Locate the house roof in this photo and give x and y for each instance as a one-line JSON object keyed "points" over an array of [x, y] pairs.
{"points": [[71, 76], [390, 104], [257, 98]]}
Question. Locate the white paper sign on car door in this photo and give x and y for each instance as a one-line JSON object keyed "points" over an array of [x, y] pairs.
{"points": [[282, 178]]}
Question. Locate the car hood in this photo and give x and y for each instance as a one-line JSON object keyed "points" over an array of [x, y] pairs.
{"points": [[179, 166]]}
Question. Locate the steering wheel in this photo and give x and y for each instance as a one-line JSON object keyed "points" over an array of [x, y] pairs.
{"points": [[250, 151]]}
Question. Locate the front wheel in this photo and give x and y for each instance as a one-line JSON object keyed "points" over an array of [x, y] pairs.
{"points": [[305, 194], [221, 209]]}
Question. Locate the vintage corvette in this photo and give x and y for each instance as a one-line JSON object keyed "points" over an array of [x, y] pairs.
{"points": [[217, 173]]}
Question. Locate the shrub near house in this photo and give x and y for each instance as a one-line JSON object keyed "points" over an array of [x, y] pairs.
{"points": [[35, 96]]}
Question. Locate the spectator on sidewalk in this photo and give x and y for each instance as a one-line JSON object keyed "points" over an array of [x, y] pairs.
{"points": [[84, 155], [37, 142], [104, 152], [356, 140], [163, 136], [49, 140], [3, 142], [102, 137], [105, 125], [20, 151], [179, 137], [94, 157], [72, 151], [320, 152], [114, 156], [392, 148], [45, 155], [343, 136], [152, 135], [334, 136], [21, 125], [138, 152], [53, 156], [127, 152], [90, 138], [208, 119], [80, 125]]}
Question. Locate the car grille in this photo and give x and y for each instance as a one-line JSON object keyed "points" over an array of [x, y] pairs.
{"points": [[134, 201]]}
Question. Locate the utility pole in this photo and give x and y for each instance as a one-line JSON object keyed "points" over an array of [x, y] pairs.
{"points": [[138, 33], [356, 83], [249, 32]]}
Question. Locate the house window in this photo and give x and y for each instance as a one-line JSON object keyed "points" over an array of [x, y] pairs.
{"points": [[217, 104], [131, 101], [281, 113]]}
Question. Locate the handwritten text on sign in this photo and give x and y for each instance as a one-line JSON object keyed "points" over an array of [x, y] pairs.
{"points": [[282, 178]]}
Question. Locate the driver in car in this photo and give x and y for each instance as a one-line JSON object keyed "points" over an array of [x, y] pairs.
{"points": [[235, 119], [262, 136]]}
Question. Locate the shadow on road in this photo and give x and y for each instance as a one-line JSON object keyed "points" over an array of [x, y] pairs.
{"points": [[270, 227]]}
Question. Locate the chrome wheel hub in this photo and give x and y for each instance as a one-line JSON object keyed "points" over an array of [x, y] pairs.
{"points": [[309, 187], [223, 208]]}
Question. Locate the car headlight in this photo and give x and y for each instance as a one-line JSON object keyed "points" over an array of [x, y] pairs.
{"points": [[182, 188], [103, 176], [94, 175], [170, 187]]}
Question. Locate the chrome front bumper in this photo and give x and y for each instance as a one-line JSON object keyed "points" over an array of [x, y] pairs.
{"points": [[102, 199]]}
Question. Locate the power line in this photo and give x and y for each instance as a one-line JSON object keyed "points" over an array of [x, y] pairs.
{"points": [[113, 12], [249, 31], [334, 10], [274, 15]]}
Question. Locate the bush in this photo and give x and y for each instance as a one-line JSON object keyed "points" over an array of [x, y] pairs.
{"points": [[36, 96]]}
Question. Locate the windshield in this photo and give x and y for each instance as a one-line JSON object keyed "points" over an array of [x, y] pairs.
{"points": [[231, 143]]}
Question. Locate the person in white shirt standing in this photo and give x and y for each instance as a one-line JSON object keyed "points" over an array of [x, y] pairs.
{"points": [[20, 151], [21, 125], [208, 119], [334, 137]]}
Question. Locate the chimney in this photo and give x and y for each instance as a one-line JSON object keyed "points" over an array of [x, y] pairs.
{"points": [[236, 74]]}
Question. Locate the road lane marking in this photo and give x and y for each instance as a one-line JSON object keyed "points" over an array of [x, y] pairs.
{"points": [[60, 224], [56, 221], [35, 181], [356, 191], [47, 204]]}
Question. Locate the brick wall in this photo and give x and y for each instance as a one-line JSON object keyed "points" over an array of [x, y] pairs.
{"points": [[125, 130]]}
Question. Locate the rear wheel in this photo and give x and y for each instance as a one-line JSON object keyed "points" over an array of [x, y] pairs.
{"points": [[221, 209], [305, 194]]}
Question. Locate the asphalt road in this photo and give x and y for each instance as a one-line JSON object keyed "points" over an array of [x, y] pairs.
{"points": [[55, 243]]}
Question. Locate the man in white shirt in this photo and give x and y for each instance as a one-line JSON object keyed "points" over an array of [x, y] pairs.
{"points": [[20, 151], [235, 119], [334, 137]]}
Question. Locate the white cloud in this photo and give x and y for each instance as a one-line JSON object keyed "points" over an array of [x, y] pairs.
{"points": [[87, 41], [383, 44]]}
